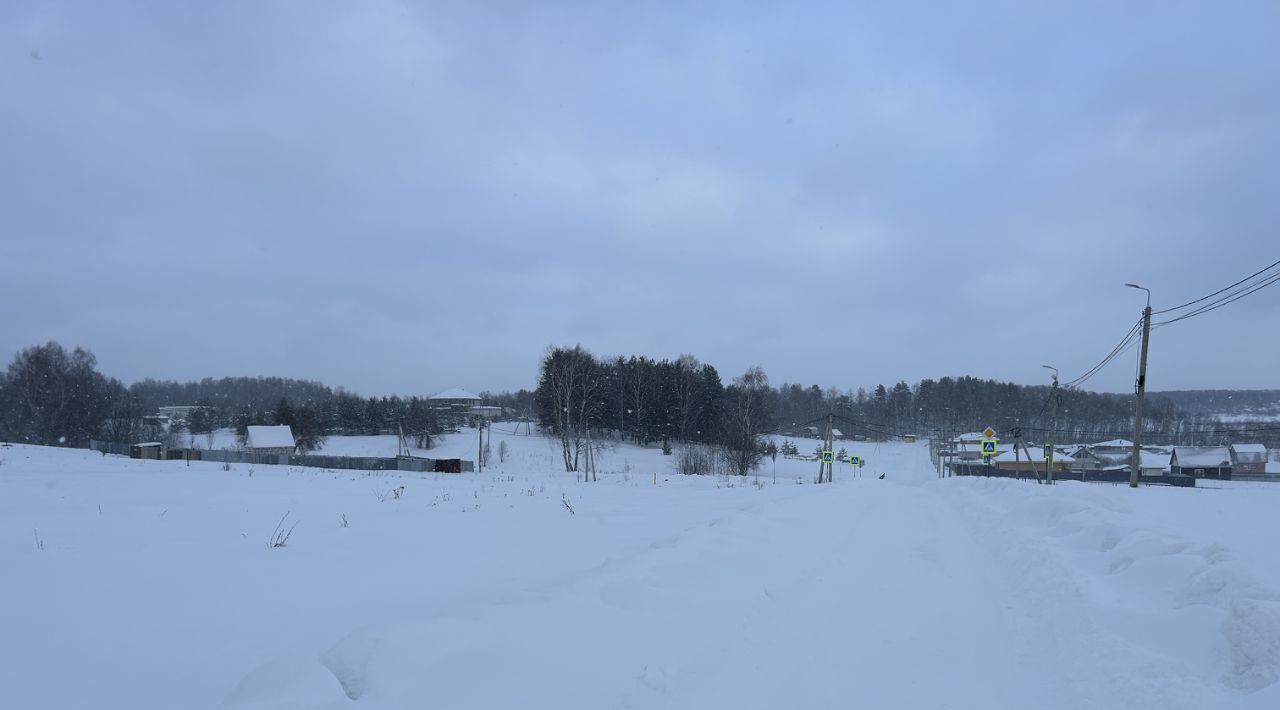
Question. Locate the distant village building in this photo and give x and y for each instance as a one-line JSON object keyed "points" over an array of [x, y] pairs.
{"points": [[270, 440], [1201, 462], [454, 400], [1017, 461], [1249, 458], [1082, 458], [968, 447], [176, 413], [152, 450], [1116, 452], [486, 412]]}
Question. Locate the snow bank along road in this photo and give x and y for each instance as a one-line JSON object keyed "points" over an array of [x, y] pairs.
{"points": [[138, 584]]}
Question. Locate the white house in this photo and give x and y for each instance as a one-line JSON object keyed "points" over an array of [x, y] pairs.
{"points": [[454, 399], [270, 440]]}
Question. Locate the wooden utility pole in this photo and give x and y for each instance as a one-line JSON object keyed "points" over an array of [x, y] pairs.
{"points": [[589, 472], [1017, 460], [824, 467], [1053, 426], [480, 447], [1142, 389]]}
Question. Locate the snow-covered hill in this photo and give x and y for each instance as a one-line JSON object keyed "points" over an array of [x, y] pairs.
{"points": [[142, 584]]}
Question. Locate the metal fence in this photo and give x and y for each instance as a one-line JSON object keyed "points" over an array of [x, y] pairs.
{"points": [[108, 447], [361, 463]]}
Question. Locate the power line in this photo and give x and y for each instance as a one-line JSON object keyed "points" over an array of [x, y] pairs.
{"points": [[1215, 293], [1128, 338], [1225, 300], [1222, 297]]}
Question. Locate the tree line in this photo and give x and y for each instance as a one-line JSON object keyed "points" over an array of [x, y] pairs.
{"points": [[647, 401], [54, 396]]}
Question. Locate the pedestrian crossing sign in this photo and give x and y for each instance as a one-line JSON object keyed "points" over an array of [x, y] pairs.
{"points": [[986, 459], [827, 456], [855, 460], [988, 447]]}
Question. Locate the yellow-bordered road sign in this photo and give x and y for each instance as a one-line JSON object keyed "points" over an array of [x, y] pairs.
{"points": [[827, 456], [987, 458], [855, 460], [989, 447]]}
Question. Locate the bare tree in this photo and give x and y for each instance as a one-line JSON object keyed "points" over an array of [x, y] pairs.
{"points": [[746, 420], [688, 386], [568, 396]]}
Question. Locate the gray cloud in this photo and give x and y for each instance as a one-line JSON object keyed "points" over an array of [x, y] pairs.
{"points": [[394, 197]]}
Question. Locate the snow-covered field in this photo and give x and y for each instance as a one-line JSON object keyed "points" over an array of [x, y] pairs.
{"points": [[143, 584]]}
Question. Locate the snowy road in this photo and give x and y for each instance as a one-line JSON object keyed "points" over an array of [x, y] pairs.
{"points": [[153, 589]]}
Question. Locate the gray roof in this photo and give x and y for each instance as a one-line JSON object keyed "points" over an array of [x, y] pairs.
{"points": [[454, 393], [1202, 456]]}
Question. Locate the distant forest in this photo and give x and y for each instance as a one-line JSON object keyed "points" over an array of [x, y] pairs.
{"points": [[55, 396], [1223, 402]]}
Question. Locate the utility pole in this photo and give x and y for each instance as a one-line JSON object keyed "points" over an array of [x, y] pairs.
{"points": [[824, 467], [1017, 460], [1053, 428], [1136, 466], [480, 447]]}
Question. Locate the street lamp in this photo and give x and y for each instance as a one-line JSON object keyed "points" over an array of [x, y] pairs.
{"points": [[1144, 288]]}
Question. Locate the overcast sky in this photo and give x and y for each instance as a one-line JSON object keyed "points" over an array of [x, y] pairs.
{"points": [[405, 197]]}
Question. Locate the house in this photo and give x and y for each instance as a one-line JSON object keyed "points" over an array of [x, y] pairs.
{"points": [[1017, 461], [454, 400], [270, 440], [1249, 458], [1083, 457], [1116, 452], [491, 413], [1154, 463], [1201, 462]]}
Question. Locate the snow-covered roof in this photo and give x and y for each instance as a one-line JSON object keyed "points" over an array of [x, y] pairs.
{"points": [[1202, 456], [1115, 443], [270, 437], [836, 432], [1154, 460], [1021, 456], [971, 436], [454, 393], [1249, 448]]}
